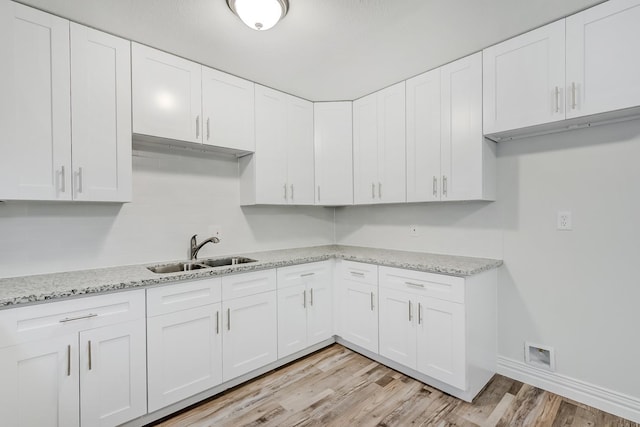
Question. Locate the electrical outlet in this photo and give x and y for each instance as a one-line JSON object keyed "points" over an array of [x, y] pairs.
{"points": [[564, 220], [413, 231], [214, 231]]}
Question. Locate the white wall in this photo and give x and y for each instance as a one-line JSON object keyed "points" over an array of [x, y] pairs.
{"points": [[577, 291], [175, 194]]}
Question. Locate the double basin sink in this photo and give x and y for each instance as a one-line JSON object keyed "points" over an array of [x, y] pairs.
{"points": [[198, 264]]}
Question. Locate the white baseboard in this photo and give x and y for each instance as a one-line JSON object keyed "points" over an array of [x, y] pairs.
{"points": [[601, 398]]}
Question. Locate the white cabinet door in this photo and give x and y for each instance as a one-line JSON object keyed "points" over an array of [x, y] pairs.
{"points": [[40, 383], [523, 80], [292, 320], [441, 341], [320, 305], [397, 326], [166, 95], [250, 334], [359, 317], [271, 148], [602, 60], [101, 115], [228, 110], [365, 150], [392, 145], [35, 122], [184, 354], [299, 140], [462, 139], [333, 141], [423, 137], [113, 380]]}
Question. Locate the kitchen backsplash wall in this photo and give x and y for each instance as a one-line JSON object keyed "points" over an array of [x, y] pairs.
{"points": [[175, 194]]}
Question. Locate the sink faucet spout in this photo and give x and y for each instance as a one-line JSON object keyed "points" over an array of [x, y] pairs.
{"points": [[194, 246]]}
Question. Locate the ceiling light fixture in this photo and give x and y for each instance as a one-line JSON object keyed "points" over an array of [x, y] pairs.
{"points": [[259, 14]]}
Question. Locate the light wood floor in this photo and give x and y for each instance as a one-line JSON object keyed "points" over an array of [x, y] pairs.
{"points": [[337, 387]]}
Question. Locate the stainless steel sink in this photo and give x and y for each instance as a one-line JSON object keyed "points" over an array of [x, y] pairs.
{"points": [[198, 264], [221, 262], [174, 268]]}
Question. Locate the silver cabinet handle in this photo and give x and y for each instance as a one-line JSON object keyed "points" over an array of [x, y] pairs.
{"points": [[373, 190], [208, 128], [291, 191], [356, 273], [380, 190], [285, 190], [197, 127], [68, 360], [444, 185], [318, 193], [311, 294], [71, 319], [410, 317], [304, 298], [418, 285], [307, 274], [371, 301], [435, 186], [63, 184], [228, 319], [80, 180], [419, 313], [573, 95], [557, 94], [217, 323], [89, 354]]}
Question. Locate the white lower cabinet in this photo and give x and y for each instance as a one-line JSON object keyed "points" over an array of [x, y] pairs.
{"points": [[77, 362], [184, 342], [250, 327], [305, 314]]}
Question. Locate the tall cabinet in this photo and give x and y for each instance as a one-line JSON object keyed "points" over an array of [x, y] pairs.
{"points": [[53, 74], [379, 147]]}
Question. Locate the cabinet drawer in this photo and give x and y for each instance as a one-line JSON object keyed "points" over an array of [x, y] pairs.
{"points": [[439, 286], [172, 298], [303, 274], [359, 272], [19, 325], [241, 285]]}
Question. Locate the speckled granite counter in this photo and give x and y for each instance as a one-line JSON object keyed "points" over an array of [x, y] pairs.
{"points": [[31, 289]]}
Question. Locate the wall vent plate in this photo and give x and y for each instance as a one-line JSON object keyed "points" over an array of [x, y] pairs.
{"points": [[540, 356]]}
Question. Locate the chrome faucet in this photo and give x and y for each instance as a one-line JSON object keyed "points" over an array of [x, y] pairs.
{"points": [[195, 247]]}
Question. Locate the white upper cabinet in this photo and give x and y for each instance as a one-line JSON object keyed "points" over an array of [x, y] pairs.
{"points": [[524, 80], [447, 156], [602, 61], [280, 172], [100, 115], [166, 95], [35, 111], [63, 85], [333, 141], [379, 148], [227, 110]]}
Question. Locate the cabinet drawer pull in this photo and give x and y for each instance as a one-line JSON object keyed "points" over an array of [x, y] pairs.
{"points": [[304, 298], [356, 273], [285, 190], [89, 354], [307, 274], [208, 128], [444, 185], [228, 319], [419, 313], [217, 323], [311, 293], [410, 317], [71, 319], [80, 180], [371, 301], [435, 186], [417, 285], [197, 127], [291, 191], [557, 95], [373, 190], [318, 193], [63, 185], [573, 95], [68, 360], [380, 190]]}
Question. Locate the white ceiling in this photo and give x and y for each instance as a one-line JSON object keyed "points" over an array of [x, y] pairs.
{"points": [[324, 49]]}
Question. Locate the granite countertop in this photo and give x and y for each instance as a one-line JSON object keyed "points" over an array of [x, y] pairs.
{"points": [[32, 289]]}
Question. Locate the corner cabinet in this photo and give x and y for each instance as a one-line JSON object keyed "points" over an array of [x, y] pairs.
{"points": [[333, 148], [65, 117], [280, 172], [379, 169], [180, 100], [79, 362], [448, 157]]}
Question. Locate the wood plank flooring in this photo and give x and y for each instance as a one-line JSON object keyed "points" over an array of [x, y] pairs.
{"points": [[337, 387]]}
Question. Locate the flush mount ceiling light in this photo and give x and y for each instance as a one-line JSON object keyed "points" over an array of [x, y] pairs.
{"points": [[259, 14]]}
